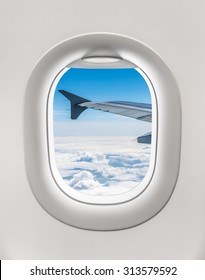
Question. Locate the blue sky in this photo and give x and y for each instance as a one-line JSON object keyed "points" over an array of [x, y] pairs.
{"points": [[100, 85]]}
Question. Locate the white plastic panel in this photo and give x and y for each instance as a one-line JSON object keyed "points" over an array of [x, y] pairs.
{"points": [[175, 30], [129, 211]]}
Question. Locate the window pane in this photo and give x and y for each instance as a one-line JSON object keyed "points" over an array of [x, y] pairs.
{"points": [[102, 129]]}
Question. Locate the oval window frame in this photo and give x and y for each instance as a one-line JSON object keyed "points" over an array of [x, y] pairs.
{"points": [[98, 215]]}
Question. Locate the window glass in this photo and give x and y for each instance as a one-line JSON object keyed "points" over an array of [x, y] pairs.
{"points": [[102, 124]]}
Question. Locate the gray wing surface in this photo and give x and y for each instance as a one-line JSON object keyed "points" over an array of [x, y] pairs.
{"points": [[123, 108], [134, 110], [139, 111]]}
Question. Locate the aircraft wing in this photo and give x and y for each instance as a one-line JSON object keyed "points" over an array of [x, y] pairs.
{"points": [[139, 111], [128, 109]]}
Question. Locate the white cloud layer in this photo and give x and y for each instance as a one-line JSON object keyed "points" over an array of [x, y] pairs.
{"points": [[101, 165]]}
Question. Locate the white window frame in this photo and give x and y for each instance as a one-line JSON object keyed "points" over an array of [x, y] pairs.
{"points": [[95, 212]]}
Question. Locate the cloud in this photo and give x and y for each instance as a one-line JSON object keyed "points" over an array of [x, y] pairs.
{"points": [[83, 180], [101, 166]]}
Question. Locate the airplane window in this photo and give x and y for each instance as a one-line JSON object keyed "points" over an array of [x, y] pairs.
{"points": [[102, 127], [104, 149]]}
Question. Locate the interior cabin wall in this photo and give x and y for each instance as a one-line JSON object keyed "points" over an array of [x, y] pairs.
{"points": [[175, 30]]}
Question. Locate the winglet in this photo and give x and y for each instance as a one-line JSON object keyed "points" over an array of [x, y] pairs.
{"points": [[75, 101], [145, 139]]}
